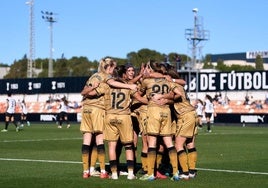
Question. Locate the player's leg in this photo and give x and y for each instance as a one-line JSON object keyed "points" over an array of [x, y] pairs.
{"points": [[151, 157], [118, 150], [26, 119], [208, 116], [86, 153], [130, 161], [144, 152], [7, 120], [60, 120], [22, 120], [172, 156], [67, 120], [136, 131], [112, 159], [93, 158], [101, 154], [192, 156], [12, 119], [182, 155], [159, 157]]}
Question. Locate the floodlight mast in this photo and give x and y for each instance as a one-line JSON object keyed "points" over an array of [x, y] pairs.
{"points": [[49, 17], [31, 61], [195, 36]]}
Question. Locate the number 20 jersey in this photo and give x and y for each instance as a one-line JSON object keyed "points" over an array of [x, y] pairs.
{"points": [[155, 86]]}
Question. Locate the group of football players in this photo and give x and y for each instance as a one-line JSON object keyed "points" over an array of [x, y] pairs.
{"points": [[119, 105]]}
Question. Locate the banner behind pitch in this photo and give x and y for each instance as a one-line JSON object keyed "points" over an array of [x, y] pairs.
{"points": [[207, 82], [42, 85], [231, 81]]}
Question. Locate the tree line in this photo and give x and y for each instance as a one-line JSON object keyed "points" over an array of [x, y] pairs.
{"points": [[81, 66]]}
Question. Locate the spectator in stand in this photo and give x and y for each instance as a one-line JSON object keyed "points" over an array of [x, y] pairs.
{"points": [[226, 100], [258, 104], [266, 98], [220, 99], [246, 102], [251, 101], [216, 97], [75, 105]]}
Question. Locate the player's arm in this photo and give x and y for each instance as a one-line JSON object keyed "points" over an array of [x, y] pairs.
{"points": [[179, 81], [89, 88], [167, 77], [214, 111], [163, 99], [139, 76], [135, 79], [156, 75], [138, 97], [169, 95], [175, 80], [117, 84], [7, 105], [177, 92]]}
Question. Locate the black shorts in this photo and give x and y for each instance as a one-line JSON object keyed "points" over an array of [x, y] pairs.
{"points": [[208, 115], [9, 115], [62, 115]]}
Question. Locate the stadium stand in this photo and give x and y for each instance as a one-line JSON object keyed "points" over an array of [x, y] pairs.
{"points": [[43, 103], [47, 103], [237, 106]]}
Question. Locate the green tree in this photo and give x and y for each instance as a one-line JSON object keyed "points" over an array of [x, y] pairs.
{"points": [[3, 65], [62, 68], [224, 68], [259, 63], [18, 69], [81, 66], [207, 62], [143, 56]]}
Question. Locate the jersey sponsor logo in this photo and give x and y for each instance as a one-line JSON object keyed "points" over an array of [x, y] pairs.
{"points": [[115, 122]]}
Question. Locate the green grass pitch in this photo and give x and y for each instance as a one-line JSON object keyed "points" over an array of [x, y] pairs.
{"points": [[44, 156]]}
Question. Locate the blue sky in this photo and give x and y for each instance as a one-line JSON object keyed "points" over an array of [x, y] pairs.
{"points": [[116, 27]]}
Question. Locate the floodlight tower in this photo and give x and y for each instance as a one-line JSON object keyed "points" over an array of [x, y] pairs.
{"points": [[50, 17], [31, 61], [195, 36]]}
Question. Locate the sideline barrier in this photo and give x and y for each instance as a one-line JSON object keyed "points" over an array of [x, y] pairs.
{"points": [[234, 118], [44, 117]]}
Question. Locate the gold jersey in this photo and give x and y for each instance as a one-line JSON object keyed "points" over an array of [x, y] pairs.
{"points": [[116, 100], [137, 106], [155, 86], [98, 100], [183, 105]]}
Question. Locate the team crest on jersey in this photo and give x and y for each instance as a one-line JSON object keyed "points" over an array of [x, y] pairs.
{"points": [[163, 115], [96, 77], [87, 111]]}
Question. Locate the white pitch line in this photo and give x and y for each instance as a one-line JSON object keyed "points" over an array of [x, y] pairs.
{"points": [[40, 140], [233, 171], [41, 161], [76, 162]]}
